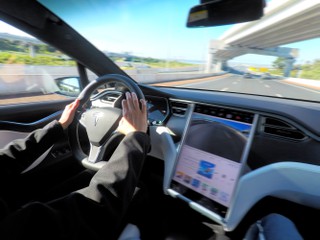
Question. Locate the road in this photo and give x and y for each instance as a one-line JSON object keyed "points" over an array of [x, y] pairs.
{"points": [[227, 82], [266, 87]]}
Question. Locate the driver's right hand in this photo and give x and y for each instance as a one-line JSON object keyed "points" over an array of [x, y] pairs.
{"points": [[134, 118]]}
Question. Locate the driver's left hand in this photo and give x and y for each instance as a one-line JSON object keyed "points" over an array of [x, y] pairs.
{"points": [[68, 114]]}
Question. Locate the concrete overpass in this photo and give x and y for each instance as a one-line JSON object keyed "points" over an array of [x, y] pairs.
{"points": [[284, 22]]}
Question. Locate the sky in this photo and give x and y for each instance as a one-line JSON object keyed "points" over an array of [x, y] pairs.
{"points": [[5, 28], [120, 28]]}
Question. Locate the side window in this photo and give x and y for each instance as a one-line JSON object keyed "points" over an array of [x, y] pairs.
{"points": [[32, 71], [91, 75]]}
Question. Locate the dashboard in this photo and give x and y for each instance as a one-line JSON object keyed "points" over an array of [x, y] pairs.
{"points": [[282, 124], [158, 110], [279, 128], [158, 107], [284, 157]]}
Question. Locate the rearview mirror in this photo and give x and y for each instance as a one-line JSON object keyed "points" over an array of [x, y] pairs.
{"points": [[223, 12]]}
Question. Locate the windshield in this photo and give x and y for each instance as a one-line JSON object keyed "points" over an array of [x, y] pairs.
{"points": [[275, 56]]}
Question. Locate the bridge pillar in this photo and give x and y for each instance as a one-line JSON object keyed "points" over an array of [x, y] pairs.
{"points": [[209, 63], [215, 65], [218, 66], [214, 62], [288, 67]]}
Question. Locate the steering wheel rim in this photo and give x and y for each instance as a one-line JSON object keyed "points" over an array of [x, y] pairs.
{"points": [[110, 117]]}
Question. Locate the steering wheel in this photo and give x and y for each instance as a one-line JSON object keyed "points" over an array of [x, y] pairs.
{"points": [[100, 121]]}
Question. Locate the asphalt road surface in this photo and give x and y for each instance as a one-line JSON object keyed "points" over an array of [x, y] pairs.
{"points": [[229, 82], [237, 83]]}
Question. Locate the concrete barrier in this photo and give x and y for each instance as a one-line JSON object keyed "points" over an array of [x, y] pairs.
{"points": [[145, 75], [314, 84], [166, 77]]}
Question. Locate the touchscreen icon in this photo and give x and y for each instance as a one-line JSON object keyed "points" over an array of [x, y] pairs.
{"points": [[214, 191], [206, 169], [187, 179], [195, 183], [179, 174], [224, 197], [204, 187]]}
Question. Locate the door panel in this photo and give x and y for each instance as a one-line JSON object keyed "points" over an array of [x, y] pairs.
{"points": [[55, 167], [28, 117]]}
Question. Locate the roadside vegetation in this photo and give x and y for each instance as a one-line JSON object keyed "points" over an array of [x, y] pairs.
{"points": [[309, 70], [24, 58], [18, 52]]}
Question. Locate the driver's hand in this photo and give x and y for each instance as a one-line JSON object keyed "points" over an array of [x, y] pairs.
{"points": [[68, 114], [134, 118]]}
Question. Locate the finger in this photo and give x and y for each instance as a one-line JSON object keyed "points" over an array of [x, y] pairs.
{"points": [[124, 104], [129, 102], [143, 107], [76, 103], [135, 101]]}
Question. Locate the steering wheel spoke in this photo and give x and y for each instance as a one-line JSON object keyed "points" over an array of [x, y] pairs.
{"points": [[96, 153]]}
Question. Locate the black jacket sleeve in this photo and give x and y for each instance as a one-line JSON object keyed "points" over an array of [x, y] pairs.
{"points": [[95, 212], [20, 153], [120, 175]]}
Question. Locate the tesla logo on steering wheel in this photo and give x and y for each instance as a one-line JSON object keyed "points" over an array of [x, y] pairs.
{"points": [[97, 116]]}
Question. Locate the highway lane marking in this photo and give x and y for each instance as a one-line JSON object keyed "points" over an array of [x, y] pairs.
{"points": [[224, 89], [278, 95], [266, 85], [234, 83]]}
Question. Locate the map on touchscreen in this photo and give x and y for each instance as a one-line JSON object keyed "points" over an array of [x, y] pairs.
{"points": [[209, 161]]}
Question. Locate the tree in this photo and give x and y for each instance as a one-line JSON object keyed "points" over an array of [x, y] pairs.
{"points": [[279, 63]]}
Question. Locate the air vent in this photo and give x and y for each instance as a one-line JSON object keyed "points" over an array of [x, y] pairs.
{"points": [[276, 122], [178, 108], [282, 129]]}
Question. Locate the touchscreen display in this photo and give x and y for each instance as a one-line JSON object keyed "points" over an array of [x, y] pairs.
{"points": [[209, 161]]}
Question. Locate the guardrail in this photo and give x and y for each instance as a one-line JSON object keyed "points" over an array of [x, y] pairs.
{"points": [[166, 77]]}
